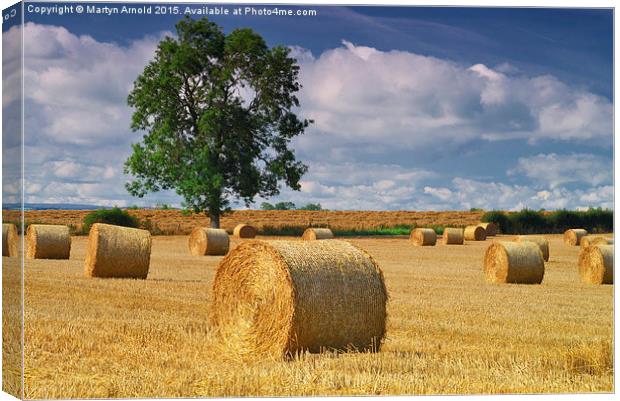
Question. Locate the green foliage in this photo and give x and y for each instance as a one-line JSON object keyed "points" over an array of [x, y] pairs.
{"points": [[311, 206], [538, 222], [163, 206], [267, 206], [476, 209], [113, 216], [133, 207], [499, 218], [203, 139], [284, 206], [528, 221]]}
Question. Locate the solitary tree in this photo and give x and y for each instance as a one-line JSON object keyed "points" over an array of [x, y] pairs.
{"points": [[218, 111]]}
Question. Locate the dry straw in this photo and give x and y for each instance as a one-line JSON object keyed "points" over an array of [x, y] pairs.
{"points": [[573, 236], [542, 242], [10, 240], [453, 236], [208, 241], [514, 262], [115, 251], [278, 298], [490, 228], [596, 264], [244, 231], [47, 242], [590, 240], [423, 236], [475, 233], [312, 234]]}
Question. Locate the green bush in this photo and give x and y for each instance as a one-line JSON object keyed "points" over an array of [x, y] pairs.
{"points": [[499, 218], [538, 222], [311, 206], [113, 216]]}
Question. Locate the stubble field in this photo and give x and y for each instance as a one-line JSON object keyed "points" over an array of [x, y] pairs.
{"points": [[448, 331]]}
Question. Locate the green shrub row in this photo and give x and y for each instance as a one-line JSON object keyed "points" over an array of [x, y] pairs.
{"points": [[529, 221]]}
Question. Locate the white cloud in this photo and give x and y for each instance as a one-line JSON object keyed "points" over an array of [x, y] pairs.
{"points": [[467, 193], [398, 99], [367, 104], [555, 170]]}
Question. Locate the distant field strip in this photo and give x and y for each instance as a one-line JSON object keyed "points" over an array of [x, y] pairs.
{"points": [[271, 222]]}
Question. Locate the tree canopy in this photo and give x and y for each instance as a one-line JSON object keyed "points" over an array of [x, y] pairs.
{"points": [[219, 114]]}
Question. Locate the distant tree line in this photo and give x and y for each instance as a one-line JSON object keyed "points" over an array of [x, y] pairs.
{"points": [[529, 221], [290, 206]]}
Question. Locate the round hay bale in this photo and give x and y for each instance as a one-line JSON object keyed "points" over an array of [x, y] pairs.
{"points": [[47, 242], [542, 242], [490, 228], [10, 240], [312, 234], [208, 241], [115, 251], [278, 298], [590, 240], [423, 236], [514, 262], [244, 231], [474, 233], [596, 264], [573, 236], [453, 236]]}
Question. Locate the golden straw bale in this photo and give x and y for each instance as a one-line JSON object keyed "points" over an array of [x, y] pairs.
{"points": [[514, 262], [542, 242], [10, 240], [453, 236], [48, 242], [573, 236], [208, 241], [596, 264], [244, 231], [423, 236], [590, 240], [475, 233], [312, 234], [277, 298], [490, 228], [115, 251]]}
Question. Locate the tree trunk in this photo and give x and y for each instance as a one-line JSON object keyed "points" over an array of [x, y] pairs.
{"points": [[215, 220]]}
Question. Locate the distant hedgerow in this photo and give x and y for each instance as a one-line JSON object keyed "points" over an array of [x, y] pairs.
{"points": [[113, 216]]}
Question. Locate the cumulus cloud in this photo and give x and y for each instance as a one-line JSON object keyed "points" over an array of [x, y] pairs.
{"points": [[358, 94], [367, 105], [555, 170], [467, 193]]}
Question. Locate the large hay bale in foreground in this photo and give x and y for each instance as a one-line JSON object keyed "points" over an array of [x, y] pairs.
{"points": [[423, 237], [208, 241], [590, 240], [47, 242], [596, 264], [453, 236], [10, 240], [514, 262], [490, 228], [115, 251], [278, 298], [311, 234], [475, 233], [573, 236], [542, 243], [244, 231]]}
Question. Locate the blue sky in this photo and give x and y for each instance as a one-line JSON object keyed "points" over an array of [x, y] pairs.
{"points": [[415, 108]]}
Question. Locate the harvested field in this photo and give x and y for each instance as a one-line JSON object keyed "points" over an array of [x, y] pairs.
{"points": [[448, 331], [173, 222]]}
